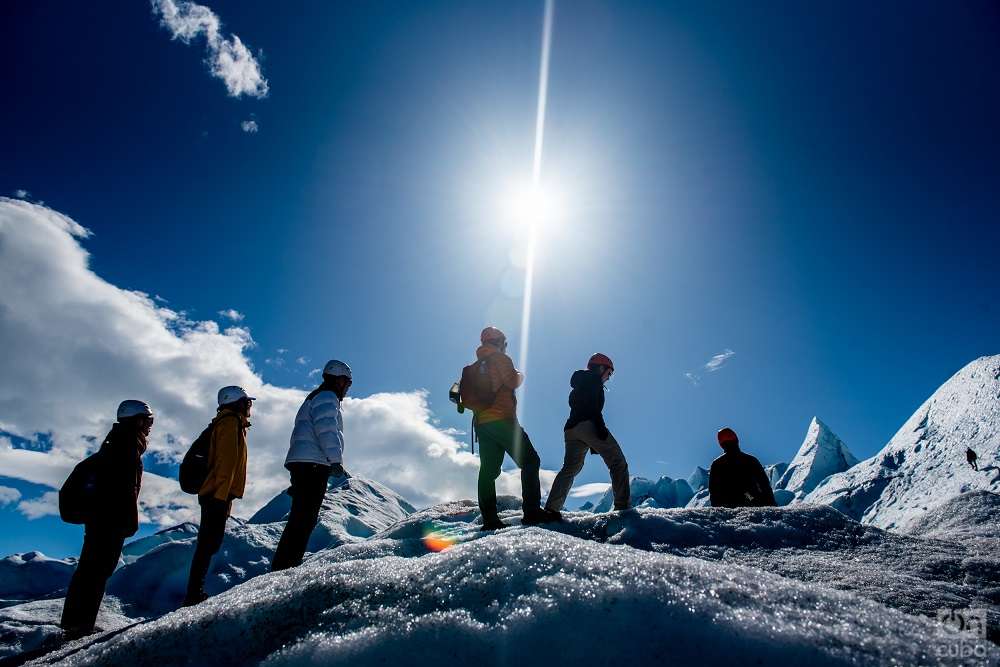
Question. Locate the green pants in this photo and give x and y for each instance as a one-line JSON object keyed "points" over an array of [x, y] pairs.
{"points": [[495, 438]]}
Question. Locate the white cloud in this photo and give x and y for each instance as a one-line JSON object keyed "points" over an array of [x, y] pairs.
{"points": [[122, 344], [719, 360], [250, 126], [302, 361], [45, 505], [21, 194], [314, 372], [9, 496], [232, 314], [585, 490], [692, 378], [282, 350], [228, 59]]}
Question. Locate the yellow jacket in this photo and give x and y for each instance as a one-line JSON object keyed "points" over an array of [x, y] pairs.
{"points": [[227, 457]]}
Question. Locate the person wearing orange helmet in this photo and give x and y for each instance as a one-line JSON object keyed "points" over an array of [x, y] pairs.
{"points": [[585, 431], [737, 479], [487, 387]]}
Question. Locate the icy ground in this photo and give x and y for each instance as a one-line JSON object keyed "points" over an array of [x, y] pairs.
{"points": [[792, 586]]}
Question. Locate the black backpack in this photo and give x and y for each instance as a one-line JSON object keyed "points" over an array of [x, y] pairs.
{"points": [[78, 495], [194, 467], [476, 387]]}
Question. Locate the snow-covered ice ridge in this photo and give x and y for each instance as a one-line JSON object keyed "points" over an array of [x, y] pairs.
{"points": [[923, 466], [797, 585]]}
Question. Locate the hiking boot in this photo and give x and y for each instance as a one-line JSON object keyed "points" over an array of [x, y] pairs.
{"points": [[194, 598], [555, 514], [535, 517], [493, 523]]}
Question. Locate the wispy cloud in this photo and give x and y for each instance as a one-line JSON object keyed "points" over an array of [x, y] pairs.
{"points": [[719, 360], [9, 496], [314, 372], [45, 505], [228, 59], [302, 361], [21, 194], [711, 366], [232, 314], [250, 126]]}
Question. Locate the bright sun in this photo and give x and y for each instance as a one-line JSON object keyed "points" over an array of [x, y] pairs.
{"points": [[533, 207]]}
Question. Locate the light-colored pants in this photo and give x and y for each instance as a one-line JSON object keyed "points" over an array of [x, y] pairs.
{"points": [[581, 439]]}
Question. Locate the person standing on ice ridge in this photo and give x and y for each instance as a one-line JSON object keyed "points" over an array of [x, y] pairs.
{"points": [[971, 457], [487, 387], [226, 480], [114, 516], [585, 431], [316, 451], [737, 479]]}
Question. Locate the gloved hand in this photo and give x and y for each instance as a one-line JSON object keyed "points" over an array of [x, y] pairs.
{"points": [[337, 470]]}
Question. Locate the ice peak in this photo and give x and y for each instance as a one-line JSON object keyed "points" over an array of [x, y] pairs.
{"points": [[821, 454]]}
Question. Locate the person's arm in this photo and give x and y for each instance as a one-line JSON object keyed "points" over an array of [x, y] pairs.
{"points": [[714, 489], [503, 373], [225, 450], [764, 486], [326, 419]]}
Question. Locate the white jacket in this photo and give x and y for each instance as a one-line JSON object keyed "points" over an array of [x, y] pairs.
{"points": [[318, 436]]}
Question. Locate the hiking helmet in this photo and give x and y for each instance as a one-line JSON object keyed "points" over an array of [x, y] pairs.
{"points": [[727, 436], [232, 394], [335, 368], [491, 335], [132, 408], [598, 359]]}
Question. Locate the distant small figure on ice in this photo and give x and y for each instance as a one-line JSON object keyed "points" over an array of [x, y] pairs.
{"points": [[971, 457], [737, 479]]}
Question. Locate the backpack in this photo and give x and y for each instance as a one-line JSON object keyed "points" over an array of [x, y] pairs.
{"points": [[78, 494], [194, 467], [476, 387]]}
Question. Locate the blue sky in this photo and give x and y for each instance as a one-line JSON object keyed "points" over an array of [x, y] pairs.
{"points": [[811, 186]]}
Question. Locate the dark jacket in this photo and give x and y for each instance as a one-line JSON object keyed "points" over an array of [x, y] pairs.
{"points": [[586, 401], [118, 482], [737, 479]]}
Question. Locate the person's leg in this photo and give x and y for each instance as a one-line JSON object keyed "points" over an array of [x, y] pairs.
{"points": [[98, 560], [614, 458], [525, 456], [211, 532], [576, 454], [490, 460], [309, 484]]}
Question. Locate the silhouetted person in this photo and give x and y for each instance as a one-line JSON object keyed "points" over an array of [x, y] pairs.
{"points": [[115, 516], [737, 479], [490, 393], [971, 457], [316, 451], [585, 431], [226, 480]]}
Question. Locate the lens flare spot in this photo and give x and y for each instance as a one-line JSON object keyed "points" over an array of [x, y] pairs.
{"points": [[439, 536]]}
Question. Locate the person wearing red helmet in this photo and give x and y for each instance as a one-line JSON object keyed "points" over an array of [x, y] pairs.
{"points": [[487, 387], [737, 479], [585, 431]]}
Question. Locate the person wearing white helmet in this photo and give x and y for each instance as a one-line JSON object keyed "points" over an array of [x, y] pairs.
{"points": [[114, 516], [225, 481], [316, 451]]}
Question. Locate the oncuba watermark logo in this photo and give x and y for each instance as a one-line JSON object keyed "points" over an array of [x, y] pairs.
{"points": [[970, 621]]}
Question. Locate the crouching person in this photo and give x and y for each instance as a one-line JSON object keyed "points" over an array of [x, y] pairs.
{"points": [[115, 516], [226, 480], [316, 451]]}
